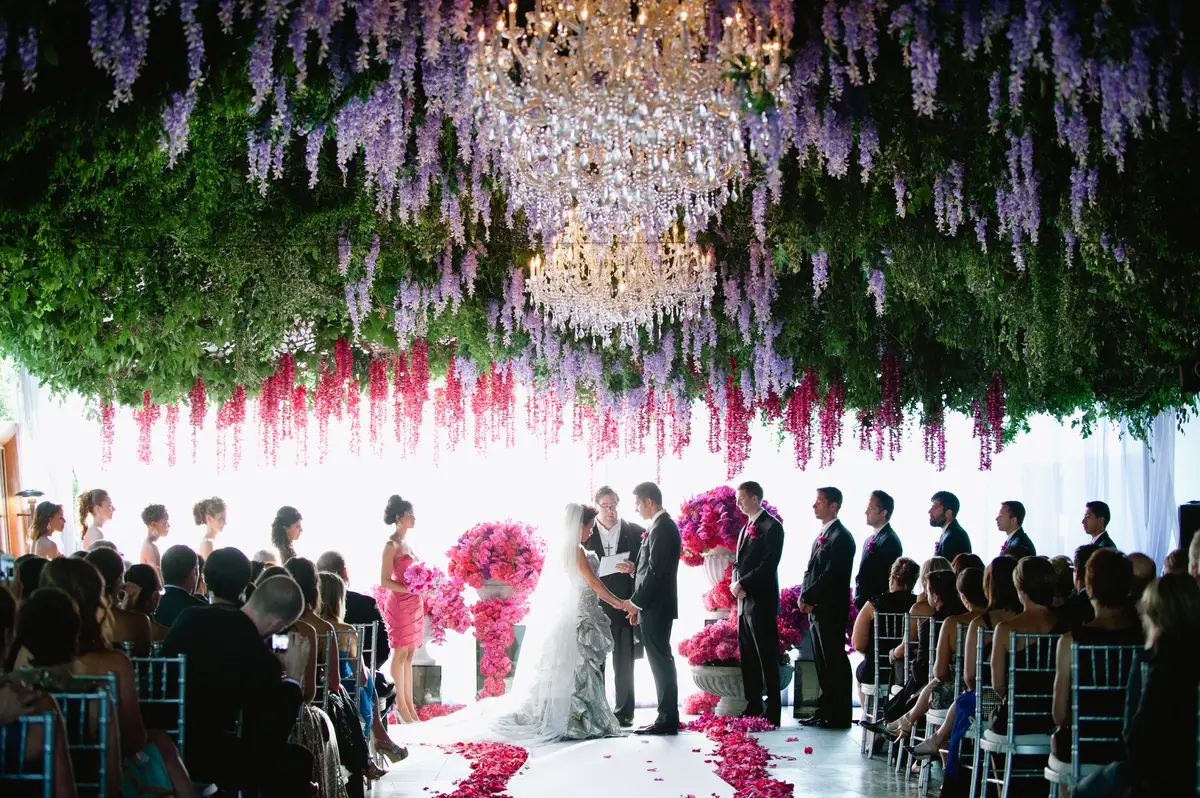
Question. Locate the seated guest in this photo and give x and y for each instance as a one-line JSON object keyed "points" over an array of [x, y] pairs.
{"points": [[360, 608], [1176, 562], [922, 607], [265, 693], [333, 609], [940, 691], [227, 572], [898, 599], [181, 574], [149, 756], [27, 572], [1108, 578], [1064, 585], [149, 593], [1144, 571], [1194, 556], [103, 544], [1160, 727], [305, 573], [265, 556], [1078, 610], [126, 628], [964, 561]]}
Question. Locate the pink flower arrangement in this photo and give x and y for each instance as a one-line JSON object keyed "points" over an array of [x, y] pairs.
{"points": [[719, 597], [422, 579], [710, 520], [494, 621], [505, 551], [850, 624], [492, 765], [793, 624], [431, 711], [700, 704], [715, 644], [743, 761]]}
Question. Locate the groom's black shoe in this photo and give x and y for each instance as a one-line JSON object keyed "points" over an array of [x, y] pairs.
{"points": [[815, 720], [625, 722], [658, 729]]}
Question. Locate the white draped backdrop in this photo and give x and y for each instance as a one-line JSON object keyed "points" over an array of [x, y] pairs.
{"points": [[1051, 469]]}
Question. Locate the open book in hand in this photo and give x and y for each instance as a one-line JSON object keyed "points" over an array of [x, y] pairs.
{"points": [[608, 565]]}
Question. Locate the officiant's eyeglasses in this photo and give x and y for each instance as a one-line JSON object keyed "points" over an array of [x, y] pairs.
{"points": [[608, 505]]}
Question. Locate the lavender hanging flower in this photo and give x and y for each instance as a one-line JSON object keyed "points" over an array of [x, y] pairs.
{"points": [[877, 287], [3, 53], [372, 257], [820, 264], [758, 209], [994, 102], [344, 253], [868, 147], [176, 119], [27, 48], [898, 188]]}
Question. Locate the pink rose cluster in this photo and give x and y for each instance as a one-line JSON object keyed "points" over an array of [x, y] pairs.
{"points": [[719, 597], [494, 622], [793, 624], [443, 599], [715, 644], [506, 551], [700, 704], [431, 711], [709, 520]]}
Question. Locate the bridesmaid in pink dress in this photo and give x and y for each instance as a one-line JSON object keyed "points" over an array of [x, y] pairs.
{"points": [[402, 610]]}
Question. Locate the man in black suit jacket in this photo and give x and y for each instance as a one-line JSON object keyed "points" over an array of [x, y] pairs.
{"points": [[654, 605], [755, 583], [232, 671], [1095, 523], [880, 552], [825, 595], [1011, 521], [181, 574], [943, 512], [360, 609], [615, 535]]}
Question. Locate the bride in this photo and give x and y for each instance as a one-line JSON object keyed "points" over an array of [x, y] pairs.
{"points": [[558, 692]]}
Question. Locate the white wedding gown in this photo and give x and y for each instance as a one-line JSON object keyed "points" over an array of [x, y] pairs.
{"points": [[558, 692]]}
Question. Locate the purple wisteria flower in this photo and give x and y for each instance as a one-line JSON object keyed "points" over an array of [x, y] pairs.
{"points": [[372, 258], [27, 48], [900, 191], [868, 147], [176, 119], [820, 265], [877, 287], [758, 211], [994, 102], [225, 15], [3, 53]]}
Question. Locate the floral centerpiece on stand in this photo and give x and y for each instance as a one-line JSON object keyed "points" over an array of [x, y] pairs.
{"points": [[502, 560], [715, 644], [443, 598], [711, 520], [718, 597]]}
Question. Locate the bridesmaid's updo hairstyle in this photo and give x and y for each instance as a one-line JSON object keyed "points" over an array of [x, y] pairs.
{"points": [[589, 514], [279, 527], [205, 508], [87, 500], [395, 510]]}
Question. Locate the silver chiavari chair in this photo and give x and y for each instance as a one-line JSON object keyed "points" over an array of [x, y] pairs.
{"points": [[88, 707], [17, 767], [911, 652], [985, 699], [160, 687], [891, 629], [1099, 679], [934, 717], [327, 657], [364, 664], [1028, 655]]}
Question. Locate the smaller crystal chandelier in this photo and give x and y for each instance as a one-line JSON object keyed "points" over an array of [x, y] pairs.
{"points": [[597, 288]]}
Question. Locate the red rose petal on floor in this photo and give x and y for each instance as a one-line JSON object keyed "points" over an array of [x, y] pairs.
{"points": [[793, 739], [658, 779], [608, 756], [651, 770], [695, 750], [808, 749]]}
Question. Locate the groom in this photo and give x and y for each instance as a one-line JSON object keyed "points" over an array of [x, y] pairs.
{"points": [[654, 605]]}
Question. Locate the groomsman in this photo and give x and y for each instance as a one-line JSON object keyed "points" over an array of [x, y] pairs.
{"points": [[755, 583], [1095, 523], [825, 595], [615, 535], [944, 513], [1011, 521], [880, 552]]}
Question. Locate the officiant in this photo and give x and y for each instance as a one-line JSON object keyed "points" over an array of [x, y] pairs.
{"points": [[617, 537]]}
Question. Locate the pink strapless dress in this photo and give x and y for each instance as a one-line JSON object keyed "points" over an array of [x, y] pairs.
{"points": [[403, 612]]}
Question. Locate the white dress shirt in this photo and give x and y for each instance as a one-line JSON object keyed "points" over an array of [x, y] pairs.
{"points": [[610, 538], [825, 527], [746, 528]]}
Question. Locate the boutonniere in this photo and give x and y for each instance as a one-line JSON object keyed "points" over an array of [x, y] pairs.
{"points": [[752, 532], [871, 545], [645, 534]]}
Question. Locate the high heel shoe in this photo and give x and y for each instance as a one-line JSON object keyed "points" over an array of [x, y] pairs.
{"points": [[926, 749], [900, 727], [392, 752], [374, 772]]}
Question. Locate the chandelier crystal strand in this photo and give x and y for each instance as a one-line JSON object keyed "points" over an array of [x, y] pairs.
{"points": [[620, 116], [600, 288]]}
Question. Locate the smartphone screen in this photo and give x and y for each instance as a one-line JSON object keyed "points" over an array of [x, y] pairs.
{"points": [[7, 567], [279, 642]]}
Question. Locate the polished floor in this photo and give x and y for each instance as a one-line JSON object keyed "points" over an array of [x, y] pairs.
{"points": [[592, 769]]}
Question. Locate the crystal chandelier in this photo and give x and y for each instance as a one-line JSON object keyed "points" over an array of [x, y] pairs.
{"points": [[596, 288], [620, 115]]}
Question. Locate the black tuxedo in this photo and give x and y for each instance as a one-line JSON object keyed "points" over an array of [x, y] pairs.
{"points": [[362, 609], [231, 670], [173, 602], [875, 568], [827, 587], [953, 542], [1104, 541], [656, 595], [756, 570], [629, 539], [1019, 539]]}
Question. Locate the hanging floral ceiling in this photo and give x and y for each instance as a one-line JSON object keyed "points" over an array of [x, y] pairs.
{"points": [[304, 211]]}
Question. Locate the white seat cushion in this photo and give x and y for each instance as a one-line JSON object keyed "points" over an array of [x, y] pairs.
{"points": [[937, 716], [1056, 764], [1000, 743], [867, 689]]}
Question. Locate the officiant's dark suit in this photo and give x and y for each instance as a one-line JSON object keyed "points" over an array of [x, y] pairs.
{"points": [[656, 595], [953, 542], [756, 570], [875, 568], [827, 587], [629, 539]]}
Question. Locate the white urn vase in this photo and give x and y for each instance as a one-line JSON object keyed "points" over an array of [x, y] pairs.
{"points": [[715, 562], [494, 589], [422, 656], [725, 682]]}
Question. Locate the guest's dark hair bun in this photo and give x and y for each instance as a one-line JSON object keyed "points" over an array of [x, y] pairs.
{"points": [[395, 510]]}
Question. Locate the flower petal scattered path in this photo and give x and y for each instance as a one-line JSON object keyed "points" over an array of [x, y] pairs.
{"points": [[492, 765], [741, 760]]}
